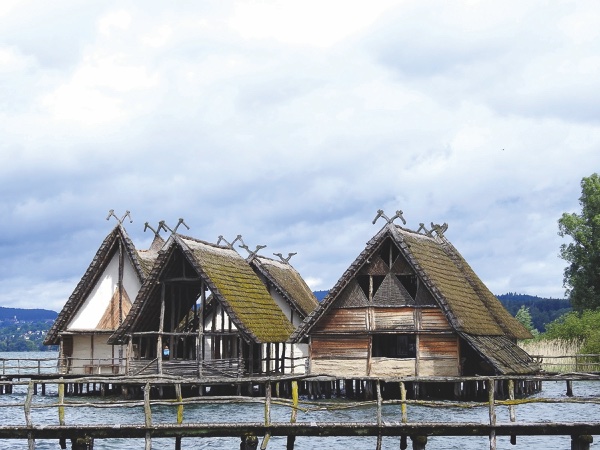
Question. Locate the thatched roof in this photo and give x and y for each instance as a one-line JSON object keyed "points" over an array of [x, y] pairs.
{"points": [[288, 282], [468, 304], [103, 256], [232, 283]]}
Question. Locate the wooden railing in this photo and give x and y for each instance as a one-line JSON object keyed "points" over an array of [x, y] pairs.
{"points": [[28, 366], [569, 363], [249, 432]]}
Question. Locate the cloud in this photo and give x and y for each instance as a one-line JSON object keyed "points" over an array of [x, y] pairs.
{"points": [[292, 126]]}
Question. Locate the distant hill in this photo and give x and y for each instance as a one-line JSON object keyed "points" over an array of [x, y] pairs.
{"points": [[542, 310], [27, 315]]}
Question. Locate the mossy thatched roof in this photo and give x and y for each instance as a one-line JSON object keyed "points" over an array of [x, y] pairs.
{"points": [[288, 282], [468, 304], [231, 281], [234, 284]]}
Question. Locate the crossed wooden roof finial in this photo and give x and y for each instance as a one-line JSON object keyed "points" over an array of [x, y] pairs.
{"points": [[380, 213], [163, 226], [285, 260], [111, 213], [439, 229], [251, 254], [156, 232], [230, 245], [422, 227]]}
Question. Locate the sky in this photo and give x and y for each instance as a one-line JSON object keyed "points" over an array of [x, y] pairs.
{"points": [[291, 123]]}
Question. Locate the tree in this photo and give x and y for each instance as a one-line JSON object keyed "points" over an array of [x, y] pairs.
{"points": [[582, 275], [577, 327], [524, 316]]}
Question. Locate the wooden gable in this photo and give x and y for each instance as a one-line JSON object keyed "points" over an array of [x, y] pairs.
{"points": [[111, 319]]}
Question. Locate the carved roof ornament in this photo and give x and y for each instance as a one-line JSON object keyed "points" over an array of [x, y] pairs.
{"points": [[398, 215], [156, 232], [230, 245], [422, 227], [285, 260], [439, 229], [251, 254], [111, 213], [163, 226]]}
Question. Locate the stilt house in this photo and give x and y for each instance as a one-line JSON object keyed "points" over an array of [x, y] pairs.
{"points": [[294, 298], [410, 305], [99, 304], [204, 311]]}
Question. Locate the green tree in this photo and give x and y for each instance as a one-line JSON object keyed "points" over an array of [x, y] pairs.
{"points": [[524, 316], [582, 275], [579, 327]]}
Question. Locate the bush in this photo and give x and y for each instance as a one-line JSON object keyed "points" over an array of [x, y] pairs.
{"points": [[577, 327]]}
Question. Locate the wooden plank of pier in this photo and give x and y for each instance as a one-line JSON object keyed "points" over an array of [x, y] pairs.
{"points": [[297, 429]]}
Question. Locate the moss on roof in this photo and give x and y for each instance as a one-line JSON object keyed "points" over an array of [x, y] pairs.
{"points": [[240, 288], [476, 310], [288, 280]]}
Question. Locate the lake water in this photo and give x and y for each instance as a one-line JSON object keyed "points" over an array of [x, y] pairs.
{"points": [[255, 413]]}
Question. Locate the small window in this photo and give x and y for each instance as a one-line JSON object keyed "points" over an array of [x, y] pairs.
{"points": [[410, 284], [394, 346]]}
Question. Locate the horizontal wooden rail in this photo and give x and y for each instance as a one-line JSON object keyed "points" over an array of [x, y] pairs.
{"points": [[402, 427], [297, 429]]}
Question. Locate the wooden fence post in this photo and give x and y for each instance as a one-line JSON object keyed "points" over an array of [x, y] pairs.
{"points": [[291, 439], [379, 412], [403, 437], [265, 441], [147, 416], [28, 422], [492, 411], [179, 413], [511, 409]]}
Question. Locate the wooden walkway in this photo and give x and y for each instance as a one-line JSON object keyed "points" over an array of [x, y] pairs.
{"points": [[82, 434]]}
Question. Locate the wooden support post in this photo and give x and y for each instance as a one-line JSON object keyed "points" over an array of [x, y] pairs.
{"points": [[43, 388], [403, 442], [492, 411], [179, 413], [161, 328], [403, 409], [147, 416], [291, 439], [28, 422], [249, 442], [61, 403], [265, 441], [581, 442], [379, 414], [569, 388], [511, 409], [419, 442]]}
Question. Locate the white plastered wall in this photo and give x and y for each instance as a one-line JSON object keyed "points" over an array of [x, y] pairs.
{"points": [[95, 304], [95, 361]]}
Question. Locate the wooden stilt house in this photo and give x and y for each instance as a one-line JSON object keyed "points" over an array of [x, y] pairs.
{"points": [[99, 304], [203, 311], [410, 305], [295, 299]]}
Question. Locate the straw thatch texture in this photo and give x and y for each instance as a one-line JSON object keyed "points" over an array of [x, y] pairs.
{"points": [[288, 282], [235, 284]]}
